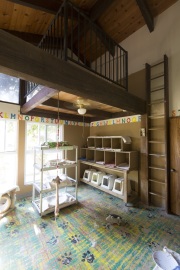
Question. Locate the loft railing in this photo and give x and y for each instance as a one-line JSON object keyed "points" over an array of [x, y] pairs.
{"points": [[72, 36]]}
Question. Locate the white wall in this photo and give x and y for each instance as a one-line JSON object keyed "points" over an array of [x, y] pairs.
{"points": [[150, 47], [7, 108]]}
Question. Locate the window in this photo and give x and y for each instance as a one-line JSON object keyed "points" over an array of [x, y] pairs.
{"points": [[37, 134], [9, 88], [8, 151]]}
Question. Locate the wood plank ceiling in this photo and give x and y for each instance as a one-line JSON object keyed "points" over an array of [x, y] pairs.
{"points": [[29, 20]]}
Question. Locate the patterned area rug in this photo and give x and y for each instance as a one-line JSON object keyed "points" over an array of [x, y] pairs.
{"points": [[81, 238]]}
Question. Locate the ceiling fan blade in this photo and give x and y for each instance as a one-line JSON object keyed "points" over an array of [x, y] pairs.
{"points": [[70, 106]]}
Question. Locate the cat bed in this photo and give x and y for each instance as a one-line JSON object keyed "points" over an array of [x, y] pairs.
{"points": [[5, 203], [166, 259], [108, 181], [7, 198], [97, 178], [88, 175]]}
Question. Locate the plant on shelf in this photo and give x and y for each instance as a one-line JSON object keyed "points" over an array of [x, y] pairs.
{"points": [[56, 144]]}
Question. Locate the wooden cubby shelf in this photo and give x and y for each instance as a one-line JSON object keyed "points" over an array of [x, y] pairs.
{"points": [[111, 155]]}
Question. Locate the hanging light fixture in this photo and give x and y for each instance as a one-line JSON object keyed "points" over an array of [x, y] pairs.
{"points": [[81, 110]]}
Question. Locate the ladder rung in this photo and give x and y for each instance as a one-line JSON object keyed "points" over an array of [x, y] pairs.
{"points": [[157, 88], [156, 168], [158, 64], [157, 181], [158, 76], [157, 155], [156, 116], [156, 194], [158, 101], [155, 142], [156, 128]]}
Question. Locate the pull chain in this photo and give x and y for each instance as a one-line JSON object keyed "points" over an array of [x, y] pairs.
{"points": [[83, 127], [57, 144]]}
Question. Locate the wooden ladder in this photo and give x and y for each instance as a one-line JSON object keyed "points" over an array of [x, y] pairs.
{"points": [[158, 133]]}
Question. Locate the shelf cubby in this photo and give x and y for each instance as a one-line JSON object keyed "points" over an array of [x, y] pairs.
{"points": [[116, 143], [83, 153], [127, 159], [106, 143], [90, 155], [99, 156], [98, 143], [91, 142], [109, 157]]}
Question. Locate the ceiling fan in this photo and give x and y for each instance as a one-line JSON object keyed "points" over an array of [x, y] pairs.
{"points": [[80, 104]]}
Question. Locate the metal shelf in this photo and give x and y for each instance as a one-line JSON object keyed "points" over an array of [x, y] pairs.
{"points": [[43, 190], [48, 208]]}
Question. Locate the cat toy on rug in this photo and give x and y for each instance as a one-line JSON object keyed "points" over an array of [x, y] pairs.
{"points": [[114, 219]]}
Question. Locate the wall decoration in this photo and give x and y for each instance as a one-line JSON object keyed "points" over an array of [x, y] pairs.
{"points": [[38, 119], [175, 113], [117, 121]]}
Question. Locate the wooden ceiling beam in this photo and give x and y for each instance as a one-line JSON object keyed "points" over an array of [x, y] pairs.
{"points": [[65, 105], [100, 114], [122, 114], [48, 6], [51, 6], [44, 94], [54, 115], [25, 61], [96, 11], [28, 37], [99, 8], [149, 20]]}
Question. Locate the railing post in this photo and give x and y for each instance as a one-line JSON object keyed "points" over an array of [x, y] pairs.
{"points": [[126, 68], [22, 92], [65, 29]]}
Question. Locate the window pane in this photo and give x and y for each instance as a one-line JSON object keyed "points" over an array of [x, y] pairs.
{"points": [[42, 137], [32, 136], [8, 168], [2, 135], [10, 136], [8, 152], [9, 88], [36, 134], [51, 133]]}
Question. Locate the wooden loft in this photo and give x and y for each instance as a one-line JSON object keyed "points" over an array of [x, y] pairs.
{"points": [[31, 63], [22, 59], [47, 69]]}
